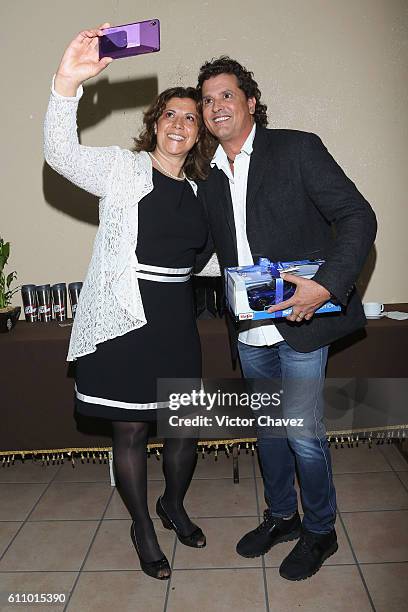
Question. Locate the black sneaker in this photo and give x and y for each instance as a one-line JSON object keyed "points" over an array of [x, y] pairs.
{"points": [[271, 531], [308, 555]]}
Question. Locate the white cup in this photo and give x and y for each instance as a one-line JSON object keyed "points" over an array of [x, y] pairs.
{"points": [[373, 309]]}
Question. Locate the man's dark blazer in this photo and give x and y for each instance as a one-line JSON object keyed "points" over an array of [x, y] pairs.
{"points": [[300, 205]]}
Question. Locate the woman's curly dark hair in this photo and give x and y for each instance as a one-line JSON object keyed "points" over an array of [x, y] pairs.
{"points": [[246, 82], [196, 165]]}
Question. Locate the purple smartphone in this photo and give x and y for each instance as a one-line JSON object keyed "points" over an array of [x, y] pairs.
{"points": [[130, 39]]}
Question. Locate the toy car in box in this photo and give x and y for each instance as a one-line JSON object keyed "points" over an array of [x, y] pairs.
{"points": [[251, 290]]}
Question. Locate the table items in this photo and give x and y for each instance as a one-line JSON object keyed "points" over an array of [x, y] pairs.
{"points": [[396, 315], [29, 297], [59, 301], [373, 310], [74, 291], [44, 303]]}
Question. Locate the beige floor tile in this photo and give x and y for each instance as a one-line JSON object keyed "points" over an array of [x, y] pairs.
{"points": [[221, 498], [391, 452], [59, 583], [117, 509], [113, 549], [17, 500], [222, 536], [377, 537], [73, 500], [330, 589], [204, 498], [28, 471], [358, 459], [375, 491], [121, 591], [343, 556], [388, 585], [7, 531], [49, 546], [404, 477], [220, 590], [209, 467], [83, 472]]}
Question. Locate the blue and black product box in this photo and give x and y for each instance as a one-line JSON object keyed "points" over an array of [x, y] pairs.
{"points": [[251, 290]]}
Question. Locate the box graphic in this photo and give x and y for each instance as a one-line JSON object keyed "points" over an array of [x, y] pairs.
{"points": [[251, 290]]}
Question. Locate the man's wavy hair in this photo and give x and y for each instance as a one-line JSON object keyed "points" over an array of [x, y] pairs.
{"points": [[196, 164], [246, 82]]}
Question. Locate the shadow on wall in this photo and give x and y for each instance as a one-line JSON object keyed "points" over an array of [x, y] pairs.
{"points": [[98, 102]]}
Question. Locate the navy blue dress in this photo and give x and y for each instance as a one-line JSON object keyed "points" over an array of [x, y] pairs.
{"points": [[121, 376]]}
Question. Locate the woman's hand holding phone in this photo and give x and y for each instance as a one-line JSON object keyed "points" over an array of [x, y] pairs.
{"points": [[80, 62]]}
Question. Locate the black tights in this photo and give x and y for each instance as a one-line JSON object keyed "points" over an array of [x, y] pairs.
{"points": [[129, 456]]}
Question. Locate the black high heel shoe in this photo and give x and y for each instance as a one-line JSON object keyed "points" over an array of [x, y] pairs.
{"points": [[151, 568], [196, 539]]}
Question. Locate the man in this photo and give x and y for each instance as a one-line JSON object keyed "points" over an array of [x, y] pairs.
{"points": [[280, 194]]}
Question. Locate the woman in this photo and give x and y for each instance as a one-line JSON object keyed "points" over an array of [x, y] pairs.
{"points": [[134, 322]]}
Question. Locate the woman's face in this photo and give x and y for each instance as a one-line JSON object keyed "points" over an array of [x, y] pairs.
{"points": [[177, 127]]}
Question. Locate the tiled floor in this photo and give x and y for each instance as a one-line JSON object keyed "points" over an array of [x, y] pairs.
{"points": [[65, 530]]}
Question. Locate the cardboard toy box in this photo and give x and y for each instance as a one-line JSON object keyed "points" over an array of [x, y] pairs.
{"points": [[251, 290]]}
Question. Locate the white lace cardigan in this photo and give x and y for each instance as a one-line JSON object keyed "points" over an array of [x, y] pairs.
{"points": [[110, 303]]}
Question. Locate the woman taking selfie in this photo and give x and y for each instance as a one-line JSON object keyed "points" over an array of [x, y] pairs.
{"points": [[135, 319]]}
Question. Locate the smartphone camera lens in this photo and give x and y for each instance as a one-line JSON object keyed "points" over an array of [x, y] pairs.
{"points": [[153, 23]]}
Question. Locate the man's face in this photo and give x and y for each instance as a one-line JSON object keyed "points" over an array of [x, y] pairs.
{"points": [[227, 112]]}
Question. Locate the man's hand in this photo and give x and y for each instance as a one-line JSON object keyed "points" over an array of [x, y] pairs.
{"points": [[308, 297]]}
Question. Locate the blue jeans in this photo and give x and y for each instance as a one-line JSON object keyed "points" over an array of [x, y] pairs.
{"points": [[301, 377]]}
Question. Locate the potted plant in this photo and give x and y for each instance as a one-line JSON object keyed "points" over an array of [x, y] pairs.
{"points": [[8, 314]]}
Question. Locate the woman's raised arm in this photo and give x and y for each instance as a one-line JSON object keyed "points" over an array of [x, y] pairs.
{"points": [[80, 62], [86, 167]]}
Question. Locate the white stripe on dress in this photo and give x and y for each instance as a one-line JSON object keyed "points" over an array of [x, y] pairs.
{"points": [[162, 279], [90, 399], [148, 268]]}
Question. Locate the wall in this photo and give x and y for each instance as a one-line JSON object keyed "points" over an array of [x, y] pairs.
{"points": [[336, 67]]}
